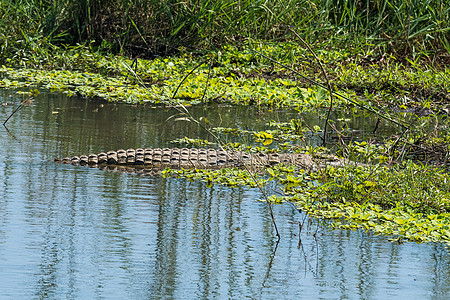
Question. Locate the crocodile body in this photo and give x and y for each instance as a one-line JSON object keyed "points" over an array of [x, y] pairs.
{"points": [[150, 160]]}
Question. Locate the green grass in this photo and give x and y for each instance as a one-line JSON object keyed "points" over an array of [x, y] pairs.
{"points": [[148, 28]]}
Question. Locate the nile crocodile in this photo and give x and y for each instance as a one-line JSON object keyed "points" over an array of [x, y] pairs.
{"points": [[150, 160]]}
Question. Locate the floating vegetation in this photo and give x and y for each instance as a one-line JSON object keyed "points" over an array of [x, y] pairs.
{"points": [[402, 225], [113, 81], [409, 201], [230, 75], [384, 201]]}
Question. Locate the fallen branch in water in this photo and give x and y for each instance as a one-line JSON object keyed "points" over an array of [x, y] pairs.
{"points": [[17, 108]]}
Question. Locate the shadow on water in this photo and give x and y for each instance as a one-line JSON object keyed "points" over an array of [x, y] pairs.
{"points": [[73, 232]]}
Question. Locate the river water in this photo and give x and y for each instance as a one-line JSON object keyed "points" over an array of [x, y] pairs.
{"points": [[71, 232]]}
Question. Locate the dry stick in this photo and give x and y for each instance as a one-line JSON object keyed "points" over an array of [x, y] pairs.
{"points": [[207, 80], [300, 226], [185, 77], [330, 90], [9, 132], [17, 108], [345, 147], [269, 204], [335, 93], [392, 148], [269, 267], [376, 126]]}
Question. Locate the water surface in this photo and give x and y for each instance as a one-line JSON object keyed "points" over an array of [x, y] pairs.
{"points": [[81, 233]]}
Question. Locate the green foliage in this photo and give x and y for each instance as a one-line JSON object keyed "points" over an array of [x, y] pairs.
{"points": [[395, 83], [422, 189], [235, 76], [390, 202], [403, 225], [109, 77], [408, 24], [153, 27], [410, 201]]}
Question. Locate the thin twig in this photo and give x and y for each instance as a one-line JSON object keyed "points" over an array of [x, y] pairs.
{"points": [[207, 80], [187, 75], [376, 126], [269, 267], [330, 90], [17, 108], [9, 132], [269, 204]]}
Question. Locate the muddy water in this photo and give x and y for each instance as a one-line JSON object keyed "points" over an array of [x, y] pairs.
{"points": [[80, 233]]}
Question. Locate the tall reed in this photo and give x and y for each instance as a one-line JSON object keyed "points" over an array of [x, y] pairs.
{"points": [[159, 27]]}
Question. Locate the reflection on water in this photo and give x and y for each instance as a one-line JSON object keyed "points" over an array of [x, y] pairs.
{"points": [[73, 232]]}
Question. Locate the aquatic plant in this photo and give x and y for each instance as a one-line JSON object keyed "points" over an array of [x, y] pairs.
{"points": [[405, 200], [236, 76], [161, 78], [409, 207]]}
